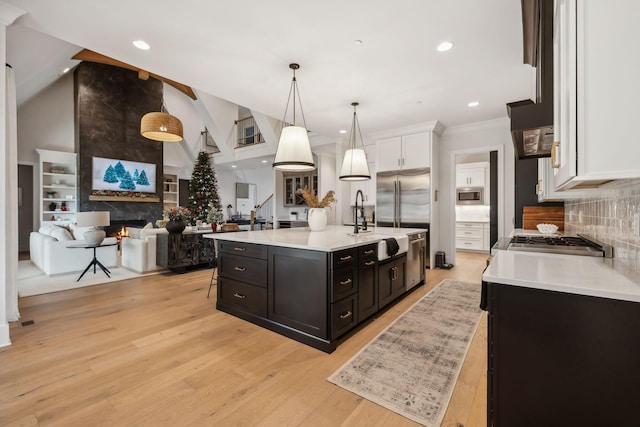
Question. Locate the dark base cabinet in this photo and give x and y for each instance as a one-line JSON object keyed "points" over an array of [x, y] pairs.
{"points": [[391, 279], [313, 297], [179, 251], [559, 359]]}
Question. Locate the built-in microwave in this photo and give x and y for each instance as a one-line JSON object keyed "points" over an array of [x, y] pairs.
{"points": [[470, 196]]}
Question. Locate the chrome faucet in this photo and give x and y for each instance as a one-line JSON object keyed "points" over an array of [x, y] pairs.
{"points": [[364, 220]]}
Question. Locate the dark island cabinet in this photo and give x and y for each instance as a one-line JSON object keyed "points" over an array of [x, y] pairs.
{"points": [[242, 277], [560, 359], [178, 251], [367, 281], [297, 290], [391, 283], [314, 297]]}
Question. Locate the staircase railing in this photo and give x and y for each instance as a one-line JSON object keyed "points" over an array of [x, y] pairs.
{"points": [[264, 211]]}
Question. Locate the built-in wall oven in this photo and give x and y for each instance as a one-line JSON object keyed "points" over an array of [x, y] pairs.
{"points": [[470, 196]]}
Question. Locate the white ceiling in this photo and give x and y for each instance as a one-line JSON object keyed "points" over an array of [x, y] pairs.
{"points": [[240, 51]]}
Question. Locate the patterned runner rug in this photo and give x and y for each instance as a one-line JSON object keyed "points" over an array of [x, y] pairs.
{"points": [[412, 366]]}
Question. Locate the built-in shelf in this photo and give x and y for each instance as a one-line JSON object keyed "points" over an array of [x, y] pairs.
{"points": [[169, 191], [58, 182]]}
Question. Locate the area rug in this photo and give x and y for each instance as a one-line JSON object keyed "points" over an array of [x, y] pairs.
{"points": [[32, 281], [412, 366]]}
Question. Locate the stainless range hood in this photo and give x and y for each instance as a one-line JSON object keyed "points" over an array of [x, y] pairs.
{"points": [[532, 122]]}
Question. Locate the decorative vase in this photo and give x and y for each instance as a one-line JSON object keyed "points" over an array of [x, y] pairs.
{"points": [[317, 219], [214, 227], [94, 237], [175, 226]]}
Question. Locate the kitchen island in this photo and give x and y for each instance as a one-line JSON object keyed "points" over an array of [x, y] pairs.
{"points": [[312, 286], [563, 340]]}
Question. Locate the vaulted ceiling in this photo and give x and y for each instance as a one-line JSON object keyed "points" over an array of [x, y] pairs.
{"points": [[240, 51]]}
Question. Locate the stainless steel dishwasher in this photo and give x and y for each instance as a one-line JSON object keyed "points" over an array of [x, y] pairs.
{"points": [[416, 259]]}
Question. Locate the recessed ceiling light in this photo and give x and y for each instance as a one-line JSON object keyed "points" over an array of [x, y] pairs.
{"points": [[473, 104], [444, 46], [342, 131], [358, 42], [66, 70], [234, 166], [264, 161], [141, 44]]}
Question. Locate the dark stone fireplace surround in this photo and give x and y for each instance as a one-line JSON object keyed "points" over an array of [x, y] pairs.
{"points": [[109, 103]]}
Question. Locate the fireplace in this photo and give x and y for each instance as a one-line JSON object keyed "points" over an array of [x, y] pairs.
{"points": [[117, 225]]}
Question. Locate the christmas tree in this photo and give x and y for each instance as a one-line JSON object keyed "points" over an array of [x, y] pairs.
{"points": [[110, 175], [142, 178], [127, 182], [203, 189], [135, 175], [120, 171]]}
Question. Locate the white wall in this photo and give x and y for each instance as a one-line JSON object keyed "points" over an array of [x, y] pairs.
{"points": [[46, 121], [484, 136]]}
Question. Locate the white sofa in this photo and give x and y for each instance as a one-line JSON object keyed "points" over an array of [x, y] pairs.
{"points": [[51, 253], [139, 250]]}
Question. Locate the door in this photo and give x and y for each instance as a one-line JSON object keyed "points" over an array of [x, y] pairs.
{"points": [[415, 196], [25, 206], [386, 199]]}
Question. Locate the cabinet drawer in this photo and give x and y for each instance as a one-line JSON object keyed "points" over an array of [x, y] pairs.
{"points": [[344, 315], [344, 257], [247, 297], [469, 225], [475, 233], [473, 244], [243, 269], [244, 249], [368, 252], [344, 282]]}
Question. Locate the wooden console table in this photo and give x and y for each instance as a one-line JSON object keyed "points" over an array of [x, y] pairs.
{"points": [[179, 251]]}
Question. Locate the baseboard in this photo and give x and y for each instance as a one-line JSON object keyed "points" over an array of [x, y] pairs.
{"points": [[4, 335]]}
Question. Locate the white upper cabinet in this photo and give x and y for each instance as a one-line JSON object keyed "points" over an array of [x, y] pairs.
{"points": [[404, 152], [596, 88], [471, 174]]}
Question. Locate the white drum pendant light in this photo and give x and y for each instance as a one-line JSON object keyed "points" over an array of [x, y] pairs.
{"points": [[294, 149], [354, 165]]}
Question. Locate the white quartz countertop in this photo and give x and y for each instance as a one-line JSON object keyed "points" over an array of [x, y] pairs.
{"points": [[583, 275], [333, 238]]}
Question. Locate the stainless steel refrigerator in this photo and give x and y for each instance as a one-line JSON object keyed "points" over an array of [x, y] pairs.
{"points": [[403, 198]]}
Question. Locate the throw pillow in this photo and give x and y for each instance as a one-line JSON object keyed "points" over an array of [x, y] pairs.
{"points": [[134, 233], [46, 229], [78, 232], [61, 233], [148, 226]]}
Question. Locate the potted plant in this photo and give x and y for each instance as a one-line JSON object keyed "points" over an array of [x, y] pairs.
{"points": [[317, 216], [215, 218], [178, 218]]}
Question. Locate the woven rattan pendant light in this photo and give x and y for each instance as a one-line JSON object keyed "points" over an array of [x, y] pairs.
{"points": [[161, 126]]}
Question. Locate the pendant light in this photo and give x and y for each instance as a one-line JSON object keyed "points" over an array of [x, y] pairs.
{"points": [[161, 126], [354, 165], [294, 149]]}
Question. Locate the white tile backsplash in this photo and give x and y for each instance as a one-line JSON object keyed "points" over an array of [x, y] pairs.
{"points": [[472, 213], [611, 216]]}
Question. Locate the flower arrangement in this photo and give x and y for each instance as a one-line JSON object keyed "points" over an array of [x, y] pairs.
{"points": [[215, 216], [178, 213], [311, 198]]}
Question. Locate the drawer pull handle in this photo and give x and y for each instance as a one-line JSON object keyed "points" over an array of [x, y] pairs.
{"points": [[369, 252], [240, 296], [346, 315], [345, 258], [346, 282], [239, 268], [368, 263], [238, 248]]}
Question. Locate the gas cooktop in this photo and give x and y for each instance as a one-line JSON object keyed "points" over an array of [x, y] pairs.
{"points": [[571, 245]]}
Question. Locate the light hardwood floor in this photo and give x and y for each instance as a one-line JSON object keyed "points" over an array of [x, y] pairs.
{"points": [[155, 352]]}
